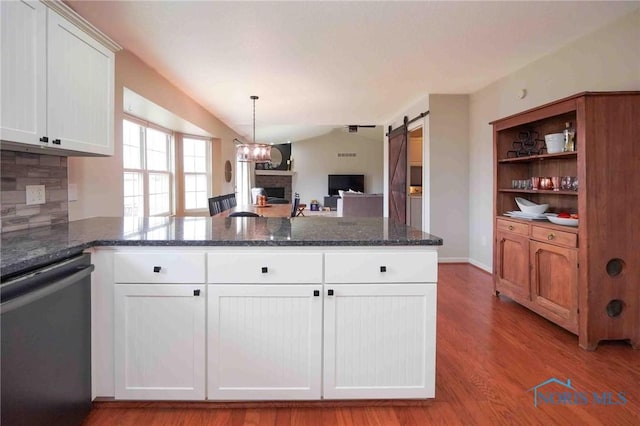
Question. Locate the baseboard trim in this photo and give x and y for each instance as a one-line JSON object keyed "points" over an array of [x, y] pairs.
{"points": [[481, 265], [453, 260], [104, 402]]}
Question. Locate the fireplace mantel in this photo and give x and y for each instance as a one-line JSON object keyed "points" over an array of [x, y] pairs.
{"points": [[275, 172]]}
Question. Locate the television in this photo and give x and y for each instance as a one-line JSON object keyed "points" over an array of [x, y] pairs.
{"points": [[345, 183]]}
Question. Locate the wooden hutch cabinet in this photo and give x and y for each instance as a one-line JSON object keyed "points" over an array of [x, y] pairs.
{"points": [[585, 278]]}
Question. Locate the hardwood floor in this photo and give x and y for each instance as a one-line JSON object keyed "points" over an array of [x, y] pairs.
{"points": [[490, 352]]}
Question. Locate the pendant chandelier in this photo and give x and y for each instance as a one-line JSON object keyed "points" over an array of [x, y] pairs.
{"points": [[254, 152]]}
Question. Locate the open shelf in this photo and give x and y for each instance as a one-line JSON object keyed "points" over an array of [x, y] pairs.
{"points": [[541, 157], [538, 191]]}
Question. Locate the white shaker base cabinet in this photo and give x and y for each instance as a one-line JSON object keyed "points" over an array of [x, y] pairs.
{"points": [[160, 341], [379, 341], [265, 342]]}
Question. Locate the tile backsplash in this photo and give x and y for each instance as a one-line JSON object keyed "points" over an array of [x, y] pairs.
{"points": [[18, 169]]}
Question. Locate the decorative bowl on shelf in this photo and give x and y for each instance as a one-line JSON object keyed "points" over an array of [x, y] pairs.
{"points": [[530, 207], [562, 220]]}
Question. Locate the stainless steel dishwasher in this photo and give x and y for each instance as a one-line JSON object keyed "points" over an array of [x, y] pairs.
{"points": [[46, 345]]}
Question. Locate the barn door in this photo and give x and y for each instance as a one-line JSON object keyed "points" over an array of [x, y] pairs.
{"points": [[398, 174]]}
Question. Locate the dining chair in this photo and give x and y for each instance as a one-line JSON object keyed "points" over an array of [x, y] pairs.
{"points": [[214, 206], [295, 204]]}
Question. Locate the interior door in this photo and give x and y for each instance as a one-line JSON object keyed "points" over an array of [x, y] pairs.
{"points": [[398, 174]]}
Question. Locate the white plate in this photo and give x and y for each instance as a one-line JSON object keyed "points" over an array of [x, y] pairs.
{"points": [[523, 215], [563, 220]]}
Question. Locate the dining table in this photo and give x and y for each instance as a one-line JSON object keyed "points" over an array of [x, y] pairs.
{"points": [[269, 210]]}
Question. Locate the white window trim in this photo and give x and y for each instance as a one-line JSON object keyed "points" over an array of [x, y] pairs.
{"points": [[145, 172], [209, 174]]}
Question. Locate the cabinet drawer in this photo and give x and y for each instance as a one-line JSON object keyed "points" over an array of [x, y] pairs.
{"points": [[381, 267], [515, 227], [262, 267], [171, 267], [554, 236]]}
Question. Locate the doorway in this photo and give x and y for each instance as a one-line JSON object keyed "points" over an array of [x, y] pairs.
{"points": [[415, 176]]}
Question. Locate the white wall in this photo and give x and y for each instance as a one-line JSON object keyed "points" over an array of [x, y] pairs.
{"points": [[606, 60], [449, 174], [445, 159], [315, 158], [99, 180]]}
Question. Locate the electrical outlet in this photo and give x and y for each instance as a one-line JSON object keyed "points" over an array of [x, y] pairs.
{"points": [[35, 194]]}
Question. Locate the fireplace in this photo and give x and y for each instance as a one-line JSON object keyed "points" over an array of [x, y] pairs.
{"points": [[275, 184], [275, 191]]}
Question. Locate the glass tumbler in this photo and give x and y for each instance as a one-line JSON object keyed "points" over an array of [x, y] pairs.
{"points": [[535, 183]]}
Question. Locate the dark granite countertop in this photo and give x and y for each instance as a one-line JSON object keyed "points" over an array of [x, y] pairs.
{"points": [[23, 250]]}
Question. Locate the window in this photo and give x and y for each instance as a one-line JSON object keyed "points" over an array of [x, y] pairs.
{"points": [[148, 177], [197, 173]]}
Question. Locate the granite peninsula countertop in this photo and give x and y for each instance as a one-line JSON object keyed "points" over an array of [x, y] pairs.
{"points": [[23, 250]]}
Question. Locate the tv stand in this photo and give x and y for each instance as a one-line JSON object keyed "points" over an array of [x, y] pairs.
{"points": [[331, 201]]}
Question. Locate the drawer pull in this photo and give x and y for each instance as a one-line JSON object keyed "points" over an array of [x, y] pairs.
{"points": [[196, 292], [330, 292], [316, 292], [156, 269], [383, 269], [551, 236], [265, 269], [510, 227]]}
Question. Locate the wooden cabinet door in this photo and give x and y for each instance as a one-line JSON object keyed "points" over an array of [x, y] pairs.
{"points": [[264, 341], [554, 278], [159, 341], [80, 89], [512, 265], [23, 101], [379, 341]]}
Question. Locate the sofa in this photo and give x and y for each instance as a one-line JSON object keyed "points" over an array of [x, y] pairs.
{"points": [[354, 204]]}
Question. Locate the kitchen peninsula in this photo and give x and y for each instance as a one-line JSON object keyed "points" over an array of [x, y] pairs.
{"points": [[251, 308]]}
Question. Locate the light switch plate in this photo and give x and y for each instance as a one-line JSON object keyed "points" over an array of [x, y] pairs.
{"points": [[35, 194]]}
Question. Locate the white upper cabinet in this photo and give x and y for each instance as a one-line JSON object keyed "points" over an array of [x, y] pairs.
{"points": [[58, 85], [24, 69]]}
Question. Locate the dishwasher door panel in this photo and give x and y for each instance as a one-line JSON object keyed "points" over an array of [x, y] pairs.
{"points": [[46, 350]]}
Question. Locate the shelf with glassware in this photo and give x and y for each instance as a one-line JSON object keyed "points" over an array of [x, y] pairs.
{"points": [[578, 277], [523, 165]]}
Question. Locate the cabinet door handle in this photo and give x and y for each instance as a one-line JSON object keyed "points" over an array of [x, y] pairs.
{"points": [[316, 292], [551, 236], [44, 139], [157, 269], [56, 141], [196, 292], [265, 269], [510, 227], [330, 292], [383, 269]]}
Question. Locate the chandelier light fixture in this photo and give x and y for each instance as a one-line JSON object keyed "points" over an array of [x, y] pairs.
{"points": [[254, 152]]}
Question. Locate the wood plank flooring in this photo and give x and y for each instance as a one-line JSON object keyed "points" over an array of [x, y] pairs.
{"points": [[490, 352]]}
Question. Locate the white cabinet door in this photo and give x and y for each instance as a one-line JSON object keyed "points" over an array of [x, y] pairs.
{"points": [[379, 341], [264, 341], [23, 30], [80, 89], [159, 341]]}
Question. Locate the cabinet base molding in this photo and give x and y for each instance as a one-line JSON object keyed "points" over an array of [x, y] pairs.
{"points": [[107, 402]]}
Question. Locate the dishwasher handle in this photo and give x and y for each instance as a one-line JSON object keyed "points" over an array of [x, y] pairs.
{"points": [[40, 293]]}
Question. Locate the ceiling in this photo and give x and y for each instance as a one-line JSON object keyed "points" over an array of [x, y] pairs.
{"points": [[317, 64]]}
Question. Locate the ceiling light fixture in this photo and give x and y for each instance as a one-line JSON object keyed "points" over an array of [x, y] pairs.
{"points": [[256, 152]]}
